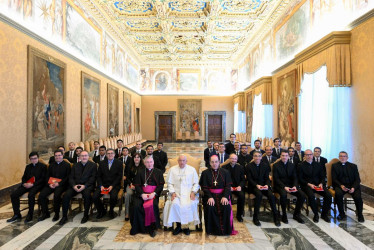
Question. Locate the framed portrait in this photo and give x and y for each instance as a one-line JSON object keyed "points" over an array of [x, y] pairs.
{"points": [[287, 107], [46, 97], [113, 122], [189, 80], [126, 112], [90, 107]]}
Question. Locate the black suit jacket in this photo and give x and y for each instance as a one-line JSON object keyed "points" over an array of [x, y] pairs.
{"points": [[67, 156], [96, 159], [112, 177], [275, 153], [272, 159], [39, 171], [283, 178], [251, 153], [162, 156], [60, 171], [257, 175], [207, 156], [229, 148], [338, 174], [295, 160], [322, 162], [244, 160], [302, 155], [83, 175], [225, 157], [142, 152], [310, 173], [128, 160], [237, 175], [157, 164], [118, 154]]}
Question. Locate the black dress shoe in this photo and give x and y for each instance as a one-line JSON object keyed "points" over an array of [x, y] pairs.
{"points": [[186, 231], [152, 233], [298, 219], [325, 218], [84, 219], [256, 222], [111, 215], [56, 217], [240, 219], [361, 218], [127, 219], [316, 218], [63, 220], [177, 230], [341, 217], [16, 217], [284, 219], [277, 222], [100, 214], [43, 217], [28, 218], [132, 232]]}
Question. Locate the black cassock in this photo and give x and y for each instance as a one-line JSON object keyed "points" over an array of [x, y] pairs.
{"points": [[137, 215], [217, 217]]}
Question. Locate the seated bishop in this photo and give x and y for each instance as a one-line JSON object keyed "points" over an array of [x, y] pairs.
{"points": [[145, 213], [216, 185], [183, 185]]}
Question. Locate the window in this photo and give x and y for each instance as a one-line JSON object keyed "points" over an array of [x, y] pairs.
{"points": [[239, 120], [262, 125]]}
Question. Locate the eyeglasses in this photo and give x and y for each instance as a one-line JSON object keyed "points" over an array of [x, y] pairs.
{"points": [[308, 154], [110, 153]]}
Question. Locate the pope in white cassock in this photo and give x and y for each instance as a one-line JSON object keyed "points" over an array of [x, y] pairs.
{"points": [[183, 184]]}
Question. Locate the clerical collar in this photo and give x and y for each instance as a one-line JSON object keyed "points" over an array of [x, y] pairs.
{"points": [[257, 165], [149, 169], [58, 162], [232, 165]]}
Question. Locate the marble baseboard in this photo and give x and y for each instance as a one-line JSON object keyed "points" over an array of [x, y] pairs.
{"points": [[5, 194]]}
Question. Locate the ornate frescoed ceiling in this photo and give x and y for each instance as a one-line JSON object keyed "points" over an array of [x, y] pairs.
{"points": [[177, 32]]}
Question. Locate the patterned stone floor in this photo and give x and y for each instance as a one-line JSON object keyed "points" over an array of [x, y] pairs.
{"points": [[347, 234]]}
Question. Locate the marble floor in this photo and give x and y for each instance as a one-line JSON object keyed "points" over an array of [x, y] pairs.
{"points": [[347, 234]]}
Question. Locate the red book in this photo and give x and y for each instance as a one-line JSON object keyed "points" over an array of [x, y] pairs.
{"points": [[263, 188], [318, 188], [293, 189], [105, 191], [53, 180], [31, 180], [234, 189]]}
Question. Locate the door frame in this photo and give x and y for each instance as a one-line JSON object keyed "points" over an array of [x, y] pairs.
{"points": [[206, 117], [174, 119]]}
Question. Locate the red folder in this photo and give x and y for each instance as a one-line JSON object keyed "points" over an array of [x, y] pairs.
{"points": [[105, 191], [31, 180], [263, 188], [318, 188], [293, 190], [53, 180]]}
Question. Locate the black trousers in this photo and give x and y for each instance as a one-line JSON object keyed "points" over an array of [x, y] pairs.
{"points": [[356, 195], [240, 204], [269, 194], [327, 198], [70, 193], [300, 198], [15, 198], [112, 200], [57, 198]]}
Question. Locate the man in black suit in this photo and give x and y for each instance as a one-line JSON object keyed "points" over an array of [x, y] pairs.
{"points": [[95, 151], [109, 176], [268, 158], [244, 158], [207, 153], [222, 156], [59, 169], [229, 147], [299, 153], [257, 148], [52, 158], [157, 164], [82, 180], [285, 182], [215, 149], [311, 177], [238, 183], [319, 159], [125, 158], [162, 155], [119, 148], [138, 149], [346, 180], [69, 155], [277, 148], [102, 155], [237, 148], [77, 153], [33, 180], [257, 174], [292, 157]]}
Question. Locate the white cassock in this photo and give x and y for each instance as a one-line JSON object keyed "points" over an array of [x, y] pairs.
{"points": [[182, 209]]}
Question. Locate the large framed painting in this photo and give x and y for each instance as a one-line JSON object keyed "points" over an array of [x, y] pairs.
{"points": [[249, 114], [126, 112], [190, 117], [90, 107], [189, 80], [46, 80], [287, 109], [113, 121]]}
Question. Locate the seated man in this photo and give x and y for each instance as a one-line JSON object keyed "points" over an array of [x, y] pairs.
{"points": [[238, 182], [216, 185], [312, 180], [257, 173], [33, 180], [82, 180], [102, 155], [57, 178], [285, 182], [109, 176], [346, 180], [183, 184], [269, 158], [145, 214], [257, 148], [244, 158]]}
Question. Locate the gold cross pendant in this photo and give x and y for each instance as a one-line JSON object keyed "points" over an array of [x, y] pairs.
{"points": [[215, 183]]}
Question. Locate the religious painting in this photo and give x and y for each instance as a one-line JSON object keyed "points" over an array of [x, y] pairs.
{"points": [[113, 121], [287, 115], [244, 73], [291, 35], [90, 107], [162, 80], [234, 80], [109, 53], [189, 80], [46, 102], [217, 81], [189, 111], [126, 112], [249, 114], [132, 74]]}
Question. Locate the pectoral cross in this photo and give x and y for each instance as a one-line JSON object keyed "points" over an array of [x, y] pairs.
{"points": [[215, 183], [145, 184]]}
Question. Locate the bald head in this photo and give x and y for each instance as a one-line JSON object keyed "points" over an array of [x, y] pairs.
{"points": [[214, 162], [308, 155]]}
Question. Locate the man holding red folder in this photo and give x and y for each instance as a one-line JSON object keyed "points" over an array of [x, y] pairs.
{"points": [[57, 183], [33, 180], [312, 178]]}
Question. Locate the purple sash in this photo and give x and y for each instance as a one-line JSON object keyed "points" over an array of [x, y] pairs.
{"points": [[148, 206], [220, 191]]}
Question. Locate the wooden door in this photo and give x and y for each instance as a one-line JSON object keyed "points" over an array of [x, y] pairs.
{"points": [[215, 128], [165, 128]]}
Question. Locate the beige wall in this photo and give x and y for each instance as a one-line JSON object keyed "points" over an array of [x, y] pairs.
{"points": [[151, 104], [13, 101]]}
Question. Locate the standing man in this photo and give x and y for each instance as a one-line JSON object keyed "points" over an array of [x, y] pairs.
{"points": [[215, 150], [238, 182], [119, 148], [81, 180], [157, 164], [277, 148], [257, 148], [95, 152], [70, 155], [244, 158], [33, 180], [319, 159], [161, 155], [222, 156], [183, 185], [346, 180], [102, 155], [138, 149], [237, 148], [229, 147], [269, 157], [207, 152], [125, 158], [294, 159], [299, 152]]}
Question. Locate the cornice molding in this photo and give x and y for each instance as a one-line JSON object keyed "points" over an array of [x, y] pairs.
{"points": [[259, 82]]}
